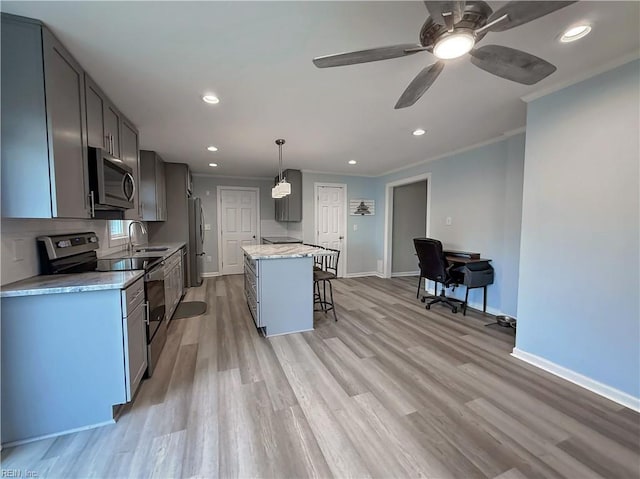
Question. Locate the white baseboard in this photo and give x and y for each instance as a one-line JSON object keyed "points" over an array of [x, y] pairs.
{"points": [[405, 273], [210, 275], [476, 306], [361, 275], [592, 385], [56, 434]]}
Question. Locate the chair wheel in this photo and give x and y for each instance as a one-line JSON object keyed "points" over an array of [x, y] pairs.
{"points": [[428, 306], [423, 299], [454, 310]]}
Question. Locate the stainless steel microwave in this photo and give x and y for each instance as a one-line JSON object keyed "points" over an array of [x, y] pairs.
{"points": [[111, 183]]}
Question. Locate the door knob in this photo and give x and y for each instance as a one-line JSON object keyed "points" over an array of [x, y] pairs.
{"points": [[341, 237], [254, 236]]}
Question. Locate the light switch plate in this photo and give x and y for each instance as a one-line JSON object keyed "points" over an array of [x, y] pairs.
{"points": [[355, 227], [207, 227], [208, 259], [448, 221]]}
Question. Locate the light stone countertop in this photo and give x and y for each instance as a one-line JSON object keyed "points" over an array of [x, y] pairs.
{"points": [[70, 283], [171, 249], [279, 251]]}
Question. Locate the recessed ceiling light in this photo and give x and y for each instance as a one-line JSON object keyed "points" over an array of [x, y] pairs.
{"points": [[418, 132], [213, 165], [212, 148], [212, 99], [575, 33], [352, 162]]}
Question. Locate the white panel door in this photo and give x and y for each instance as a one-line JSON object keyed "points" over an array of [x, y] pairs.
{"points": [[330, 216], [238, 226]]}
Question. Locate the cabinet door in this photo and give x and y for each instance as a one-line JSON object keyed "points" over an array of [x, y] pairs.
{"points": [[136, 352], [64, 86], [161, 190], [131, 158], [95, 114], [112, 129]]}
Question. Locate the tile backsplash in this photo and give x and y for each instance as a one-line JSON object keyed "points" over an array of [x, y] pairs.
{"points": [[18, 236]]}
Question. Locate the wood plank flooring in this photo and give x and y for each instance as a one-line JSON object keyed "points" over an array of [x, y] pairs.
{"points": [[390, 390]]}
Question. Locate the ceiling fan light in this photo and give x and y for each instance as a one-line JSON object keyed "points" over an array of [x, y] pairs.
{"points": [[276, 193], [454, 45]]}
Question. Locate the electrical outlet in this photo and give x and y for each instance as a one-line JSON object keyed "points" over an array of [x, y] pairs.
{"points": [[208, 193], [207, 227], [448, 221], [355, 227], [208, 259]]}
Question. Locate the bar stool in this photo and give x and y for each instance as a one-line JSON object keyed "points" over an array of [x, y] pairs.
{"points": [[325, 269]]}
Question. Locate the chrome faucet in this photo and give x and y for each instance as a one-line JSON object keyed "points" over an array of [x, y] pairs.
{"points": [[143, 229]]}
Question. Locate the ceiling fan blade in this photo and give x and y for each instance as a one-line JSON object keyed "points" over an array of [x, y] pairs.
{"points": [[419, 85], [521, 12], [436, 9], [365, 56], [511, 64]]}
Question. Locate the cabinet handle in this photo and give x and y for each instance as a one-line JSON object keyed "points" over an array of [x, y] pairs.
{"points": [[106, 142], [146, 307], [92, 203]]}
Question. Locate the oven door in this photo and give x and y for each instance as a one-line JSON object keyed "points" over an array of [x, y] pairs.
{"points": [[156, 322], [112, 182], [154, 289]]}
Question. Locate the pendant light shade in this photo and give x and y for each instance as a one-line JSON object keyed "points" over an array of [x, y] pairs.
{"points": [[283, 188]]}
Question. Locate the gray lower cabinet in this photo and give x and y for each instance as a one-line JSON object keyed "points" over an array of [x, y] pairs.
{"points": [[103, 119], [173, 282], [152, 187], [68, 358], [289, 208], [44, 144], [279, 293], [134, 313], [131, 158]]}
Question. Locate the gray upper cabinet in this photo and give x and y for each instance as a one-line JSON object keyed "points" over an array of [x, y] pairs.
{"points": [[289, 208], [152, 186], [131, 157], [104, 122], [44, 144]]}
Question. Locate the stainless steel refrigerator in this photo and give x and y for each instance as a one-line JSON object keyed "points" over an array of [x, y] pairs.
{"points": [[196, 241]]}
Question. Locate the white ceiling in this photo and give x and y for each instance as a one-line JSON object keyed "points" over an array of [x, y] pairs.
{"points": [[156, 59]]}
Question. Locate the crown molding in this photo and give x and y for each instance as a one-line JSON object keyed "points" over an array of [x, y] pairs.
{"points": [[258, 178], [582, 77]]}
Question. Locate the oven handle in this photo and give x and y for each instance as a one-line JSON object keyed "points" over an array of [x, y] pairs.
{"points": [[133, 184], [146, 307]]}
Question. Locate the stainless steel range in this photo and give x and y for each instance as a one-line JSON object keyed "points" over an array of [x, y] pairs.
{"points": [[76, 253]]}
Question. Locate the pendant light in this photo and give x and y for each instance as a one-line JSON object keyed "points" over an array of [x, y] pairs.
{"points": [[283, 187]]}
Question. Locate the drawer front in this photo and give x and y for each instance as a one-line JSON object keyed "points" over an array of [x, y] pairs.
{"points": [[173, 260], [250, 264], [132, 296]]}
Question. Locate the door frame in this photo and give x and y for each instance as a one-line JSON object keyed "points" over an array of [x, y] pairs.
{"points": [[219, 190], [316, 197], [388, 216]]}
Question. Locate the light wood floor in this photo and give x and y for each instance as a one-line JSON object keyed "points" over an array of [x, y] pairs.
{"points": [[390, 390]]}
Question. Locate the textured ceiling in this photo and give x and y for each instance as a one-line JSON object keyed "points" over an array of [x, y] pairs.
{"points": [[156, 59]]}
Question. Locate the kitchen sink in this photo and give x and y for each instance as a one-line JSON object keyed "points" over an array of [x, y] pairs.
{"points": [[151, 248]]}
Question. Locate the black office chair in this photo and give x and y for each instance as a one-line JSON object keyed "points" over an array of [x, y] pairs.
{"points": [[434, 266], [325, 269]]}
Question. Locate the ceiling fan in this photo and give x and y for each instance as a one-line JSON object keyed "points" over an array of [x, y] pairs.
{"points": [[452, 29]]}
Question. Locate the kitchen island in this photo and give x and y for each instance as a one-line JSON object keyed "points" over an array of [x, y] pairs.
{"points": [[278, 285]]}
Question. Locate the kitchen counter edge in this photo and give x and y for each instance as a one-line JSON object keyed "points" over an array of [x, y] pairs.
{"points": [[70, 283]]}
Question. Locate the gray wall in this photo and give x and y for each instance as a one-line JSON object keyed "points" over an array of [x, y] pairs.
{"points": [[204, 187], [481, 190], [409, 221], [579, 280]]}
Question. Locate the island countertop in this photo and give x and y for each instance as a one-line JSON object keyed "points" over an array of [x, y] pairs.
{"points": [[279, 251]]}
